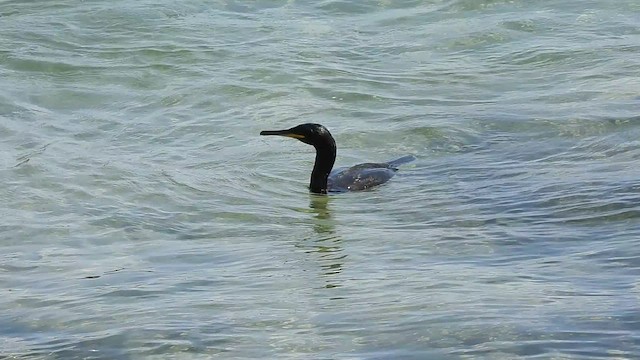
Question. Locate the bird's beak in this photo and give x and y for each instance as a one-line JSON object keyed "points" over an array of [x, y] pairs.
{"points": [[287, 133]]}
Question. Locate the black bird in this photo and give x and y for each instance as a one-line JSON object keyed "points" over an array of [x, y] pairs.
{"points": [[323, 180]]}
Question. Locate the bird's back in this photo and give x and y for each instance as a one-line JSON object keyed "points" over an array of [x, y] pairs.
{"points": [[360, 177], [364, 176]]}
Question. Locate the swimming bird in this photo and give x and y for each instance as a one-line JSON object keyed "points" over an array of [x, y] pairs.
{"points": [[323, 180]]}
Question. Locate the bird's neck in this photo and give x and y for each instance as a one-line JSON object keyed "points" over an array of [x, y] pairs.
{"points": [[325, 158]]}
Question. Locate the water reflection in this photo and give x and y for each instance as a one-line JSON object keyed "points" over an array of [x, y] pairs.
{"points": [[323, 223], [327, 244]]}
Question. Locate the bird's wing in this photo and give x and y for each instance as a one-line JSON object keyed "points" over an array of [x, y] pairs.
{"points": [[360, 177]]}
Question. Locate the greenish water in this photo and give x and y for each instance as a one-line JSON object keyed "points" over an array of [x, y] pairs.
{"points": [[144, 217]]}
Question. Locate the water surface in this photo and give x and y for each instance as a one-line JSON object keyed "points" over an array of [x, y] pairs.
{"points": [[144, 217]]}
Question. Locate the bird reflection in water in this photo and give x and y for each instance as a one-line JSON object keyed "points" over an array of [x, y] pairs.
{"points": [[327, 244]]}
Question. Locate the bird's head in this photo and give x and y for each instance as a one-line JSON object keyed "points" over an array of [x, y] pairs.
{"points": [[312, 134]]}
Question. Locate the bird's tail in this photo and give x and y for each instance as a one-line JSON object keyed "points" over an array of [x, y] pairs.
{"points": [[403, 160]]}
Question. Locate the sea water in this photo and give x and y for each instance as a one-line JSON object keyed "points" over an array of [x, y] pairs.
{"points": [[143, 217]]}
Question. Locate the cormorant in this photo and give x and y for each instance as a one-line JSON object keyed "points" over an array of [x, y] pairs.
{"points": [[323, 180]]}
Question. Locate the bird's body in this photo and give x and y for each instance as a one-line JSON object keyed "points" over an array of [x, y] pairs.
{"points": [[323, 179]]}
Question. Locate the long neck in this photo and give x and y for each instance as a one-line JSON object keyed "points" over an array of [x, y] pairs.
{"points": [[325, 157]]}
